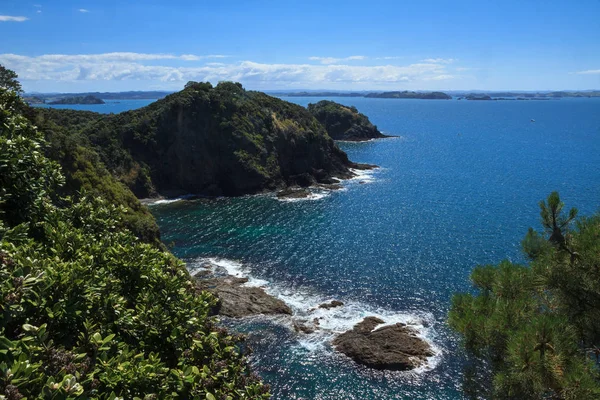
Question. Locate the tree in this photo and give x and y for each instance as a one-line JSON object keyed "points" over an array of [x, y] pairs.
{"points": [[8, 79], [535, 324], [553, 220]]}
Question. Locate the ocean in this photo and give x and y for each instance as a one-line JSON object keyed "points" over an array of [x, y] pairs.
{"points": [[110, 106], [458, 186]]}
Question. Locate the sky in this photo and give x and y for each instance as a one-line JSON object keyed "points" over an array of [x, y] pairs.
{"points": [[106, 45]]}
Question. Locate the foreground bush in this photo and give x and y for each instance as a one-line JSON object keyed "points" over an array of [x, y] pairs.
{"points": [[86, 309], [538, 326]]}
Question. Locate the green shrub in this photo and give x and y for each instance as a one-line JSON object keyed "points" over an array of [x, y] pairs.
{"points": [[87, 310]]}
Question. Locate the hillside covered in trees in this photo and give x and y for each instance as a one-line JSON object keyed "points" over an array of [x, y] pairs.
{"points": [[538, 326], [219, 140], [344, 123]]}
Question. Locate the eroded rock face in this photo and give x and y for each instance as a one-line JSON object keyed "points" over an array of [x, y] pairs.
{"points": [[238, 301], [392, 347]]}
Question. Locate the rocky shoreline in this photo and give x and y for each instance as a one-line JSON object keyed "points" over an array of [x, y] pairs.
{"points": [[371, 342]]}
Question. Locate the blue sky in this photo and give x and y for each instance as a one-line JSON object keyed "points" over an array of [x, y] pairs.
{"points": [[105, 45]]}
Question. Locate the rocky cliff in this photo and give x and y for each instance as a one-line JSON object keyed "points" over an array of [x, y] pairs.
{"points": [[344, 123], [219, 140]]}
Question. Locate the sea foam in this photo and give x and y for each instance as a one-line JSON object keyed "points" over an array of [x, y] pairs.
{"points": [[305, 309]]}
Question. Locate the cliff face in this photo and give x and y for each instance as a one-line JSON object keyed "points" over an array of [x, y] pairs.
{"points": [[217, 141], [344, 123]]}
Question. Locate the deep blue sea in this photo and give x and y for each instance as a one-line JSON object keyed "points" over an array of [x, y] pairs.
{"points": [[458, 187]]}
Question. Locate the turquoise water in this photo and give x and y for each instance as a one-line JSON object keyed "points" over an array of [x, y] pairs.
{"points": [[457, 188], [110, 106]]}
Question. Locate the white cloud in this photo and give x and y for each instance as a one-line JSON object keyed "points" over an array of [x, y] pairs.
{"points": [[333, 60], [83, 10], [439, 60], [10, 18], [589, 72], [122, 66], [37, 5], [39, 11], [442, 77]]}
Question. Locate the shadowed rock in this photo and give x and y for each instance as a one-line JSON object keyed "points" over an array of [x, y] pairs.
{"points": [[331, 304], [239, 301], [393, 347]]}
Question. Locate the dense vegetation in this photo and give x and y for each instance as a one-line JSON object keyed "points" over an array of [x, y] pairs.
{"points": [[219, 140], [78, 100], [539, 325], [83, 170], [87, 310], [343, 122]]}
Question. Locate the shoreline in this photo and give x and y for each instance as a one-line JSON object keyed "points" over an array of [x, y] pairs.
{"points": [[315, 320]]}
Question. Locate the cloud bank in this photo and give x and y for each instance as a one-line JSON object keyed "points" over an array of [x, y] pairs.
{"points": [[178, 69], [10, 18]]}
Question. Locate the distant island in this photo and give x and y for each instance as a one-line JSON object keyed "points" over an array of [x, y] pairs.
{"points": [[78, 100], [34, 100], [131, 95], [376, 95], [410, 95]]}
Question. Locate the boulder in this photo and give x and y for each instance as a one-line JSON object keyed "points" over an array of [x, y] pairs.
{"points": [[236, 300], [331, 304], [392, 347]]}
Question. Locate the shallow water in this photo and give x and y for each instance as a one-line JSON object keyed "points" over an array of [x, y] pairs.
{"points": [[457, 188]]}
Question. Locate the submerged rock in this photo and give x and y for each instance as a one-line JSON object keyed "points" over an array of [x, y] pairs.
{"points": [[393, 347], [238, 301], [331, 304], [304, 327]]}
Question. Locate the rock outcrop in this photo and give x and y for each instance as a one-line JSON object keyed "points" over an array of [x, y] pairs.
{"points": [[236, 300], [391, 347], [343, 122], [217, 141]]}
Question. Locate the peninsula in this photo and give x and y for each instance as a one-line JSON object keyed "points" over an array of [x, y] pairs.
{"points": [[78, 100]]}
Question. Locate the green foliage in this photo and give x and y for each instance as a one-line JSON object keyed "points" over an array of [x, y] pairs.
{"points": [[553, 220], [26, 176], [536, 324], [8, 80], [84, 170], [88, 311], [343, 122]]}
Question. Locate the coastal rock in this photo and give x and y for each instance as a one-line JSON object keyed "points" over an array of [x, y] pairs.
{"points": [[392, 347], [344, 123], [302, 326], [331, 304], [238, 301], [293, 193]]}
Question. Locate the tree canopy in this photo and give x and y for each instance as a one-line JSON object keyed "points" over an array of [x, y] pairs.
{"points": [[8, 79], [539, 325]]}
